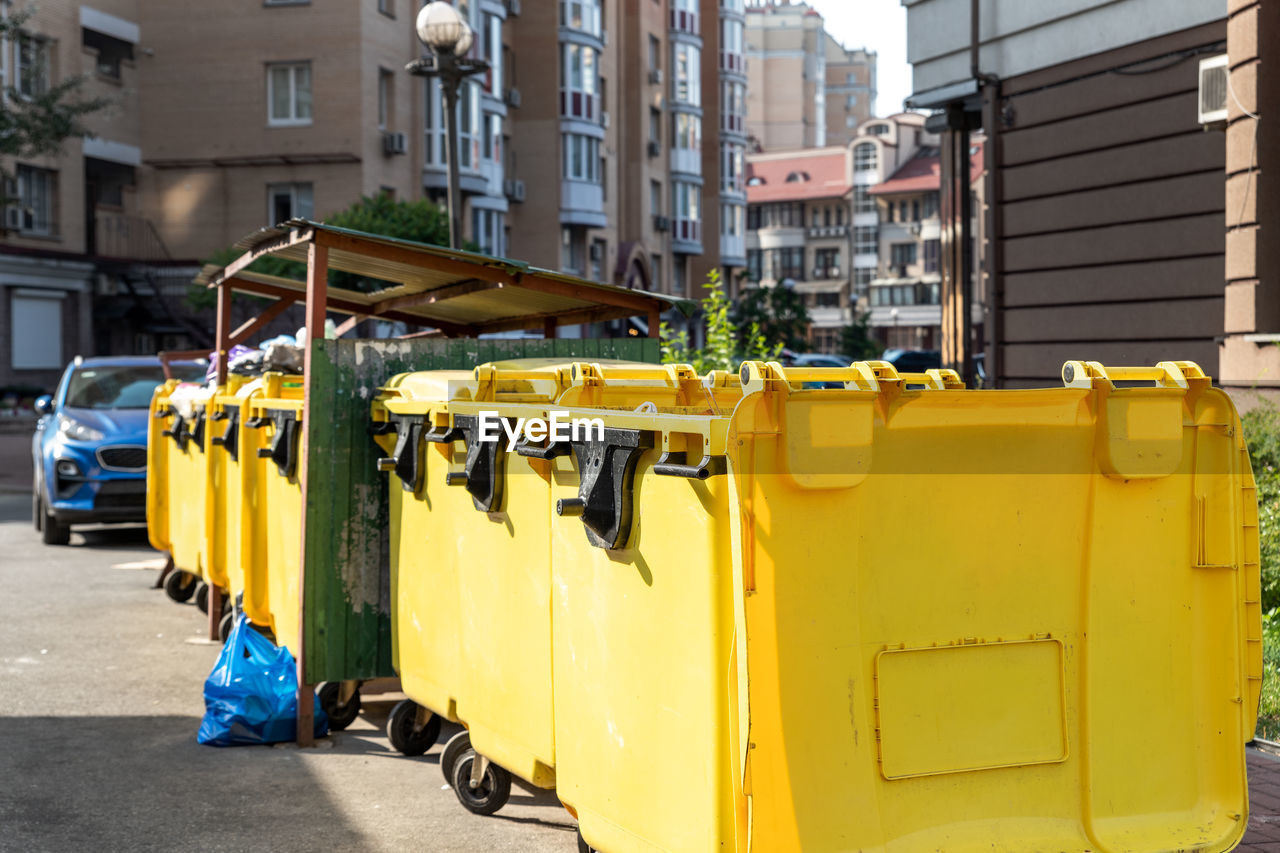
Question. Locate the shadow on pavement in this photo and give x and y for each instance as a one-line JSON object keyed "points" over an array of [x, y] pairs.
{"points": [[143, 783]]}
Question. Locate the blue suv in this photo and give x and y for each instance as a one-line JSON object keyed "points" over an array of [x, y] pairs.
{"points": [[90, 445]]}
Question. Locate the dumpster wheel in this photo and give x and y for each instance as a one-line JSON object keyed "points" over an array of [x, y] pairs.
{"points": [[455, 746], [202, 597], [180, 586], [224, 627], [493, 790], [403, 730], [340, 715]]}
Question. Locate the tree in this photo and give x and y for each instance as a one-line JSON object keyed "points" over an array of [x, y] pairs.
{"points": [[856, 341], [727, 345], [421, 221], [37, 125], [775, 313]]}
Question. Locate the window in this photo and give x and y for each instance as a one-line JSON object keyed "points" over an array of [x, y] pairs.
{"points": [[850, 121], [385, 82], [655, 267], [684, 15], [753, 264], [686, 79], [902, 254], [731, 216], [731, 155], [289, 94], [826, 300], [655, 53], [878, 130], [487, 231], [753, 217], [731, 42], [739, 6], [826, 263], [864, 240], [581, 157], [903, 210], [851, 101], [491, 51], [492, 148], [578, 72], [599, 250], [36, 194], [686, 210], [36, 329], [686, 132], [931, 205], [111, 51], [864, 157], [31, 65], [655, 198], [863, 201], [840, 215], [570, 251], [581, 15], [784, 263], [932, 255], [733, 106], [289, 201], [655, 125], [862, 278], [387, 7]]}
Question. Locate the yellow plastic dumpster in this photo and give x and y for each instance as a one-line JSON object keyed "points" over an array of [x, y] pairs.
{"points": [[898, 615], [271, 504], [230, 493], [471, 573], [178, 486]]}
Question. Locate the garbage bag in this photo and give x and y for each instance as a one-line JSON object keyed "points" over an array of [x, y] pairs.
{"points": [[251, 696]]}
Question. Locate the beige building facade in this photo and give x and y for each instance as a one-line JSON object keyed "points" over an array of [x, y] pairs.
{"points": [[805, 90], [605, 139]]}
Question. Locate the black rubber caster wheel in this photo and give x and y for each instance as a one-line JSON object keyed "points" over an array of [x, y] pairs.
{"points": [[224, 627], [454, 747], [490, 795], [340, 716], [402, 733], [202, 597], [180, 585]]}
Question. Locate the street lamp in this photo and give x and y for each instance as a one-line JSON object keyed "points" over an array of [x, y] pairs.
{"points": [[448, 37]]}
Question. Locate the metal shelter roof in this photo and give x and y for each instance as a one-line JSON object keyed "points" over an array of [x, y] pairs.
{"points": [[461, 293]]}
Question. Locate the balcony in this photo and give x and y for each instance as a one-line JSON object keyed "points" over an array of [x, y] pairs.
{"points": [[732, 63], [733, 250], [827, 231], [821, 273], [687, 161], [686, 236], [731, 123], [582, 203], [684, 22]]}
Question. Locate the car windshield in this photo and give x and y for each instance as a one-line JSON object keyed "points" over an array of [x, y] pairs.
{"points": [[114, 387]]}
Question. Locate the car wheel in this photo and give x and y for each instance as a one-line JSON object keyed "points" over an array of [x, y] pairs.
{"points": [[54, 533]]}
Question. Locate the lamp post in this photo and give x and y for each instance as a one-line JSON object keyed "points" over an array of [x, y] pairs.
{"points": [[448, 37]]}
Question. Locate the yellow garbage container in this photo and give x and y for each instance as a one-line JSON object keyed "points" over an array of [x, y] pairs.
{"points": [[228, 549], [884, 613]]}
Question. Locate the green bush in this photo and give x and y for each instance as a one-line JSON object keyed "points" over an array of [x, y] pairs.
{"points": [[1262, 436]]}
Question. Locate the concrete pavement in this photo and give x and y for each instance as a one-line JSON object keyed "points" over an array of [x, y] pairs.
{"points": [[102, 682]]}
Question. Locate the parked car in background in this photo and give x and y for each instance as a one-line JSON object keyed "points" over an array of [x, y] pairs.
{"points": [[817, 359], [90, 445], [913, 360]]}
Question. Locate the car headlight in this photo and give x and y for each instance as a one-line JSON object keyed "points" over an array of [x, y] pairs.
{"points": [[72, 428]]}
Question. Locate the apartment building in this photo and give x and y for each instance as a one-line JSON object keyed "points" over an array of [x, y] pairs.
{"points": [[798, 232], [805, 90], [905, 297], [605, 139], [813, 221]]}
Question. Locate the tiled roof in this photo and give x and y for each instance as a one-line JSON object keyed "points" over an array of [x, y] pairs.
{"points": [[924, 172], [824, 172]]}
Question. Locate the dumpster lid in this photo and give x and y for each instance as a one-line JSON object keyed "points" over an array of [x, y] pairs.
{"points": [[461, 293]]}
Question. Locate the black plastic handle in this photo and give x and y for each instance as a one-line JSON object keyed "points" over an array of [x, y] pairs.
{"points": [[550, 451], [440, 436]]}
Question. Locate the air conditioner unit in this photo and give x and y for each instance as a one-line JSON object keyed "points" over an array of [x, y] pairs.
{"points": [[661, 223], [604, 119], [1213, 89], [513, 97], [655, 76], [13, 218], [513, 188], [513, 8], [914, 228], [655, 148], [395, 143]]}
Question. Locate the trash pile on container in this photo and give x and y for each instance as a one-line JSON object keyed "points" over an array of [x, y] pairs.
{"points": [[784, 608]]}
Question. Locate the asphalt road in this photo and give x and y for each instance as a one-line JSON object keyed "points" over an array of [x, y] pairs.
{"points": [[101, 701]]}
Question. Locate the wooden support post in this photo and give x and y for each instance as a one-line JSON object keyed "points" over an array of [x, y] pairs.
{"points": [[317, 295], [549, 328], [655, 320], [215, 610], [221, 346]]}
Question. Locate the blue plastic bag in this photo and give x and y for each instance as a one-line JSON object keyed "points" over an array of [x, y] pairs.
{"points": [[251, 696]]}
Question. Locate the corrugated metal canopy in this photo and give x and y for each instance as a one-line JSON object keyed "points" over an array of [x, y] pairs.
{"points": [[461, 293]]}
